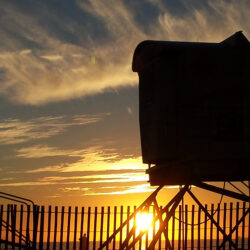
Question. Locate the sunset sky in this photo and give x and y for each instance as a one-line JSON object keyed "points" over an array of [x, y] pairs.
{"points": [[69, 131]]}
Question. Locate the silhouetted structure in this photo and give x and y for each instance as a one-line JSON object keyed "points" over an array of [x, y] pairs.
{"points": [[195, 110], [194, 119]]}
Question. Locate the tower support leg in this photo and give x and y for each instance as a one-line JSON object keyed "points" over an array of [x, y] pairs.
{"points": [[163, 216], [143, 207], [174, 202], [227, 237]]}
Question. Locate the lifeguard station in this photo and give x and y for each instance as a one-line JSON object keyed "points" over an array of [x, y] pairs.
{"points": [[194, 107]]}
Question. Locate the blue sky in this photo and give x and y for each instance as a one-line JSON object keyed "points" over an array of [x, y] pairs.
{"points": [[68, 97]]}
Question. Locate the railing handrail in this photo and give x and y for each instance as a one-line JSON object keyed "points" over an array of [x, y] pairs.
{"points": [[18, 197], [11, 199], [17, 233]]}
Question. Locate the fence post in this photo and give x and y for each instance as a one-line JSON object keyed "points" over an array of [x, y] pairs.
{"points": [[199, 229], [248, 227], [88, 226], [114, 228], [1, 223], [35, 224], [230, 222], [160, 234], [7, 226], [81, 226], [75, 228], [243, 227], [20, 226], [173, 230], [41, 229], [55, 228], [179, 229], [166, 232], [13, 225], [186, 225], [146, 241], [134, 223], [68, 228], [236, 221], [108, 225], [192, 227], [217, 232], [127, 231], [61, 232], [95, 225], [225, 221], [101, 225], [121, 220], [154, 222], [205, 229], [49, 228]]}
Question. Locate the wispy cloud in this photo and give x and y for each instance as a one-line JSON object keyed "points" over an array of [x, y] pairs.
{"points": [[212, 22], [28, 183], [142, 188], [98, 178], [120, 183], [109, 190], [13, 131], [59, 70], [75, 181], [52, 168], [94, 168], [70, 189], [39, 151], [95, 158], [53, 69]]}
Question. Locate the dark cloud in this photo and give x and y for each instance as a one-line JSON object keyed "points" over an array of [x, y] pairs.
{"points": [[62, 20]]}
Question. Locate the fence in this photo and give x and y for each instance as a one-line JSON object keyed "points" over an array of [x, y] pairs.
{"points": [[62, 228]]}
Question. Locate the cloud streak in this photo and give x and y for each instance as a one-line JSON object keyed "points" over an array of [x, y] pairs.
{"points": [[141, 188], [14, 131], [94, 158], [212, 22], [54, 69], [94, 168]]}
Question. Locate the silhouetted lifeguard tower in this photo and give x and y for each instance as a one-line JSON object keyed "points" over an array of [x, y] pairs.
{"points": [[194, 103]]}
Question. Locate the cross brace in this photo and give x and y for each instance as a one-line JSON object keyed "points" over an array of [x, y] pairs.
{"points": [[169, 211]]}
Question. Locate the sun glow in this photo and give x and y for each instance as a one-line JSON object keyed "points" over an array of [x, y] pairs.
{"points": [[143, 221]]}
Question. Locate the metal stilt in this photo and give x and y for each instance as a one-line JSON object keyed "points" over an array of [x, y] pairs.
{"points": [[169, 209], [163, 215], [227, 237], [144, 206]]}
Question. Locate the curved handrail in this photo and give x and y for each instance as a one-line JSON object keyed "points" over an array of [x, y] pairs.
{"points": [[1, 196], [25, 201], [18, 197]]}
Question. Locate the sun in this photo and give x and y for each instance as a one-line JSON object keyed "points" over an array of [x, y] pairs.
{"points": [[143, 221]]}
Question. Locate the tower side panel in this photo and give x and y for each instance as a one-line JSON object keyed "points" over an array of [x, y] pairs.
{"points": [[195, 115]]}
